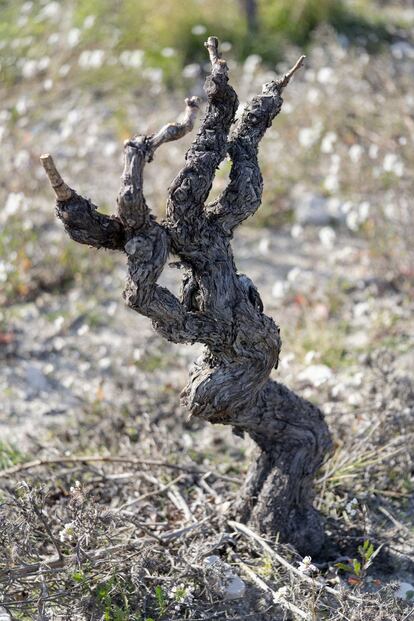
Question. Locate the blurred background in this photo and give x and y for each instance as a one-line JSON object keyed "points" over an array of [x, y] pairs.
{"points": [[330, 249]]}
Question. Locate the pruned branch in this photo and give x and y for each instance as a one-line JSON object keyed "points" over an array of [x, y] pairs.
{"points": [[80, 217], [243, 195], [61, 189], [175, 131], [133, 210], [286, 78], [191, 187], [217, 63]]}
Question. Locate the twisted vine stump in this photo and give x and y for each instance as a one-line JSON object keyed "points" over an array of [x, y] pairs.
{"points": [[218, 306]]}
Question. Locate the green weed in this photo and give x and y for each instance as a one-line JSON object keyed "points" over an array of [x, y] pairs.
{"points": [[9, 455], [358, 567]]}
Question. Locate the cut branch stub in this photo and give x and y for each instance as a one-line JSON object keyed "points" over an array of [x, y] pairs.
{"points": [[82, 221], [61, 189], [132, 208], [230, 383], [175, 131]]}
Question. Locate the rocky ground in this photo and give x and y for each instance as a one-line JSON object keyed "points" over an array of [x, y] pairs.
{"points": [[81, 375]]}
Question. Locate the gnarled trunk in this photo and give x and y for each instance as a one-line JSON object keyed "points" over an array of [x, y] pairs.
{"points": [[218, 306]]}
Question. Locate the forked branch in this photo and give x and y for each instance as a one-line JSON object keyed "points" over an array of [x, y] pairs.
{"points": [[191, 187], [175, 131], [133, 210], [243, 195], [80, 217]]}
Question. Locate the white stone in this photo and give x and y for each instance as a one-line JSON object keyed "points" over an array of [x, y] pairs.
{"points": [[327, 236], [338, 390], [399, 49], [14, 203], [294, 274], [392, 163], [355, 399], [50, 10], [89, 21], [53, 39], [355, 152], [191, 71], [405, 591], [373, 151], [132, 58], [251, 63], [168, 52], [223, 579], [110, 148], [264, 245], [361, 309], [309, 135], [59, 321], [296, 231], [36, 379], [316, 374], [328, 142], [235, 589], [325, 75], [74, 36], [312, 209], [198, 29], [352, 221], [279, 289], [29, 69], [331, 183], [313, 96], [310, 356], [363, 211], [4, 615], [91, 59]]}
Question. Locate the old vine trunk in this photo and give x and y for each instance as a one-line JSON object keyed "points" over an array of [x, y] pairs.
{"points": [[218, 306]]}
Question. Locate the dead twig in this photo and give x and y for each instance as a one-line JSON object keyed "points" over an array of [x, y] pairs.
{"points": [[277, 596], [399, 525], [157, 492], [250, 534], [180, 503], [176, 534], [60, 564], [48, 530], [37, 463]]}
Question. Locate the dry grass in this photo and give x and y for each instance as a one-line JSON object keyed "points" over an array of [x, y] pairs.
{"points": [[119, 538]]}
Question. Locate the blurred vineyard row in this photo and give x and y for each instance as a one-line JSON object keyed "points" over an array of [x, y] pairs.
{"points": [[80, 77], [166, 36]]}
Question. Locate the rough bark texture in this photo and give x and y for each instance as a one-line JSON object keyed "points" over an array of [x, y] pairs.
{"points": [[218, 306]]}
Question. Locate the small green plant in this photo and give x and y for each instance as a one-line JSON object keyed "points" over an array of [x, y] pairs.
{"points": [[161, 600], [113, 594], [9, 455], [266, 568], [358, 567]]}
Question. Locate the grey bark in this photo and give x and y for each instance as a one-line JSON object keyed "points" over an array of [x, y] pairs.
{"points": [[218, 306]]}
